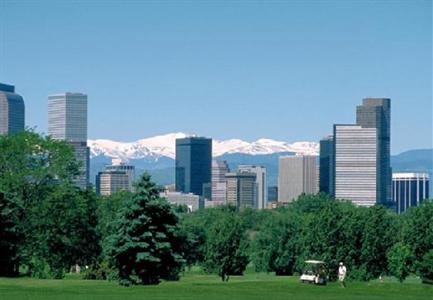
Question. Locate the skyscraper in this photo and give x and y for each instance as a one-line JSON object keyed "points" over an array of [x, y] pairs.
{"points": [[67, 120], [261, 184], [241, 189], [219, 185], [326, 170], [409, 190], [355, 164], [193, 164], [12, 110], [296, 175], [376, 113]]}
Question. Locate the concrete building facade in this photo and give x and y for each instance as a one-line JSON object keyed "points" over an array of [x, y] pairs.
{"points": [[355, 164], [110, 182], [261, 184], [296, 176], [67, 120], [241, 189], [219, 186]]}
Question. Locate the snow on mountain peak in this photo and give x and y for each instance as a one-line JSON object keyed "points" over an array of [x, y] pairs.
{"points": [[164, 145]]}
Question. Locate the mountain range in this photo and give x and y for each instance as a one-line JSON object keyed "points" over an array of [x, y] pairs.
{"points": [[164, 146], [156, 155]]}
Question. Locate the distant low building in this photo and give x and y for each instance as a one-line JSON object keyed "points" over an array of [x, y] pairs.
{"points": [[188, 199], [116, 177], [213, 203], [409, 190], [110, 182], [122, 167]]}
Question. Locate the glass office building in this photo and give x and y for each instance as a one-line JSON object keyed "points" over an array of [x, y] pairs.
{"points": [[376, 113], [193, 164], [12, 110], [326, 166]]}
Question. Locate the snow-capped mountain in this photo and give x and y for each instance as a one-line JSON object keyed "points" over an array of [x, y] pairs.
{"points": [[164, 146]]}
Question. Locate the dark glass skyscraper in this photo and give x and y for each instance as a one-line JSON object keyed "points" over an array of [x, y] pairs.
{"points": [[376, 113], [326, 174], [12, 110], [193, 164]]}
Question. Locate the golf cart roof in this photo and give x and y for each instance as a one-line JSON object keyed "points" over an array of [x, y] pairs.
{"points": [[314, 262]]}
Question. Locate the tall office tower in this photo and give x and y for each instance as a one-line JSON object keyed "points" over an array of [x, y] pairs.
{"points": [[67, 120], [12, 110], [409, 189], [326, 172], [261, 184], [122, 167], [296, 176], [376, 113], [193, 164], [241, 189], [219, 185], [355, 164], [110, 182]]}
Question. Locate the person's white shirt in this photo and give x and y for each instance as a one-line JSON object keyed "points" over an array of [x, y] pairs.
{"points": [[342, 270]]}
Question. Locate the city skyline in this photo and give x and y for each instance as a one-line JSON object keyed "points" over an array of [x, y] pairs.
{"points": [[274, 76]]}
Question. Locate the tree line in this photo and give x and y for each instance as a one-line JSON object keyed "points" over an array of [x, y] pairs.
{"points": [[47, 226]]}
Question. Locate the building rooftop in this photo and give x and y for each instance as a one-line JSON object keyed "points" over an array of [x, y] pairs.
{"points": [[410, 175], [7, 88]]}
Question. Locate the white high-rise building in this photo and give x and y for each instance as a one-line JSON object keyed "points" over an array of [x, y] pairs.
{"points": [[296, 175], [261, 184], [409, 189], [67, 120], [219, 185], [355, 164]]}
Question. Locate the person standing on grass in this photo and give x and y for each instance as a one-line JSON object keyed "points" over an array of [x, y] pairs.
{"points": [[342, 274]]}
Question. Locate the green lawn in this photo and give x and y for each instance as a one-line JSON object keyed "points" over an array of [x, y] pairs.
{"points": [[194, 285]]}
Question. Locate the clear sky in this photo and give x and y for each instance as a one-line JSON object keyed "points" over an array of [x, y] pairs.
{"points": [[285, 70]]}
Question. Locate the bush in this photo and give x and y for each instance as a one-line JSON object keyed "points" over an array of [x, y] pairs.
{"points": [[41, 269], [425, 267], [399, 261], [102, 271]]}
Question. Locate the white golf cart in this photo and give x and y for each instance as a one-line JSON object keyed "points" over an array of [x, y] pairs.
{"points": [[315, 271]]}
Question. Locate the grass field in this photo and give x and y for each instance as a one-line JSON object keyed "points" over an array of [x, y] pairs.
{"points": [[194, 285]]}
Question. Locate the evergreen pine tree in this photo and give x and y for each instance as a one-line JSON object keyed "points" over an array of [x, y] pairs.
{"points": [[145, 247]]}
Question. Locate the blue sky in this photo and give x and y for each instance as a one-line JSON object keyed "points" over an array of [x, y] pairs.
{"points": [[285, 70]]}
